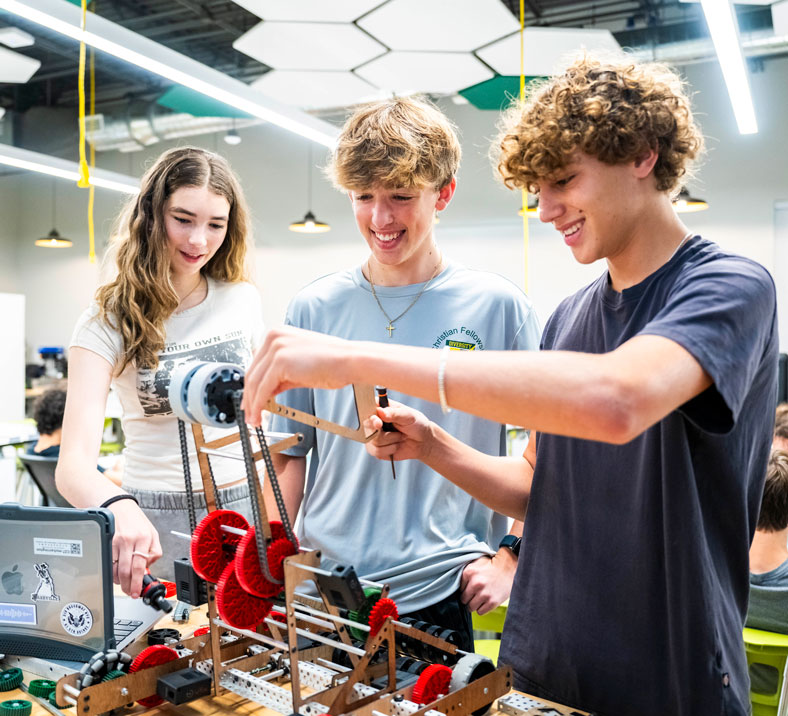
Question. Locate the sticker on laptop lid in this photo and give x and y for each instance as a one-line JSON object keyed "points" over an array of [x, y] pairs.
{"points": [[17, 613], [45, 591], [57, 547], [76, 619]]}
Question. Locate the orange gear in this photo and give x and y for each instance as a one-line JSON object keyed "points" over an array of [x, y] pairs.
{"points": [[433, 682], [383, 608], [149, 657]]}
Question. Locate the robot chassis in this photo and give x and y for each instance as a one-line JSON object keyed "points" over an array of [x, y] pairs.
{"points": [[296, 656]]}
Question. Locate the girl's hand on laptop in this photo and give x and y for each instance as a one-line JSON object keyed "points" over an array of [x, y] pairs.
{"points": [[134, 547]]}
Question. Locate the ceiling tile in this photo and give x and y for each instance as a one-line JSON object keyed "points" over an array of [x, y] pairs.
{"points": [[434, 72], [316, 90], [439, 25], [547, 49], [16, 68], [309, 10], [308, 45], [14, 37]]}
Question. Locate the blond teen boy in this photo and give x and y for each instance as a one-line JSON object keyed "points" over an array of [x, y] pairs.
{"points": [[653, 399], [438, 548]]}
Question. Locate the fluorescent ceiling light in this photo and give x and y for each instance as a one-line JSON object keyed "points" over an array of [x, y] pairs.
{"points": [[65, 169], [14, 37], [439, 25], [725, 35], [309, 45], [63, 17]]}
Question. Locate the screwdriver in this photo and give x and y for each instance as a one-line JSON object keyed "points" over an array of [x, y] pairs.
{"points": [[383, 401]]}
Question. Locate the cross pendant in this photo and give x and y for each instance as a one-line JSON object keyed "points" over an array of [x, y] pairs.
{"points": [[390, 328]]}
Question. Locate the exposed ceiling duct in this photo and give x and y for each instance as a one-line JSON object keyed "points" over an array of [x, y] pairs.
{"points": [[131, 134]]}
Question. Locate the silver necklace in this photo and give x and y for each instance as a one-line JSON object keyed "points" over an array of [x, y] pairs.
{"points": [[390, 327]]}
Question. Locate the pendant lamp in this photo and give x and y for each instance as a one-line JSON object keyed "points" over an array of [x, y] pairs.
{"points": [[309, 224], [53, 240], [685, 204]]}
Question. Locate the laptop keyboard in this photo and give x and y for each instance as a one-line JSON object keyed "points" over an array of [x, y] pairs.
{"points": [[124, 627]]}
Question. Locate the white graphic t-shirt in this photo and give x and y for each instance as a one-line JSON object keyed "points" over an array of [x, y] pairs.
{"points": [[226, 327]]}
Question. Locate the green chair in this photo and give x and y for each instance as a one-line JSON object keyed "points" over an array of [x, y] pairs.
{"points": [[767, 658], [490, 622]]}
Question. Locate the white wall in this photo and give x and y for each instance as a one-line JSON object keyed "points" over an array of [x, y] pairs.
{"points": [[742, 178]]}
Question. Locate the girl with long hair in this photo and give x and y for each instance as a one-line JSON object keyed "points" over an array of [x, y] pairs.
{"points": [[181, 294]]}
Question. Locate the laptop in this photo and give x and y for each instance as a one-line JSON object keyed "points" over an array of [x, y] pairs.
{"points": [[56, 593]]}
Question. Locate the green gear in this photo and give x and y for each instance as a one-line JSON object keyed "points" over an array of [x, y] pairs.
{"points": [[361, 615], [15, 707], [10, 679], [54, 702], [114, 674], [41, 687]]}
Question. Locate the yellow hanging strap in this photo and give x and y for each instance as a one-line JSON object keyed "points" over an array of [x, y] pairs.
{"points": [[522, 99], [92, 190], [84, 175]]}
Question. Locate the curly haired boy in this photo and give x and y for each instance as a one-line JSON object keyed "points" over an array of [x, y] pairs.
{"points": [[651, 404]]}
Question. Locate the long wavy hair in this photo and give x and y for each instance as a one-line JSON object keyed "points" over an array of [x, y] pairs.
{"points": [[138, 302]]}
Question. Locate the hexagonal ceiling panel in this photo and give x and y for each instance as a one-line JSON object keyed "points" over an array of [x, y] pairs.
{"points": [[439, 25], [315, 90], [547, 49], [309, 10], [435, 72], [15, 67], [308, 45]]}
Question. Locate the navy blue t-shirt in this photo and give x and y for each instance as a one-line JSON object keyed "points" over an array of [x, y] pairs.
{"points": [[632, 583]]}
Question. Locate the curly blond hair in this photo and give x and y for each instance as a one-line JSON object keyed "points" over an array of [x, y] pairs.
{"points": [[141, 298], [613, 111], [404, 142]]}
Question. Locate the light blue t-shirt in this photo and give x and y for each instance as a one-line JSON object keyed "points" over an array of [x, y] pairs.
{"points": [[416, 532]]}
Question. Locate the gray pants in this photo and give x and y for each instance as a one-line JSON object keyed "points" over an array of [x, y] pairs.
{"points": [[168, 511]]}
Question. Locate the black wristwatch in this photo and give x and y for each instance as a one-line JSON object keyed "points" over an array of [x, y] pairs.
{"points": [[511, 542]]}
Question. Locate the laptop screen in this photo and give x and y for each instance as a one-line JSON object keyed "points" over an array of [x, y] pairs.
{"points": [[55, 581]]}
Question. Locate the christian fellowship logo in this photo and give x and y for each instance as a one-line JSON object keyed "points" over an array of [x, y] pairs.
{"points": [[76, 619]]}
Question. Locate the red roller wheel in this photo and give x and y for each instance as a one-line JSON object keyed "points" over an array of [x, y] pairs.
{"points": [[433, 682], [171, 588], [277, 551], [383, 608], [236, 606], [202, 631], [152, 656], [213, 548], [247, 569], [247, 563]]}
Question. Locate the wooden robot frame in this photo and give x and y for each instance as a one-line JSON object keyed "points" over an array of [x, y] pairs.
{"points": [[292, 668]]}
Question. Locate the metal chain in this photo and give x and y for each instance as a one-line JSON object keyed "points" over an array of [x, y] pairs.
{"points": [[392, 321], [251, 477], [280, 502], [187, 475], [216, 496]]}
